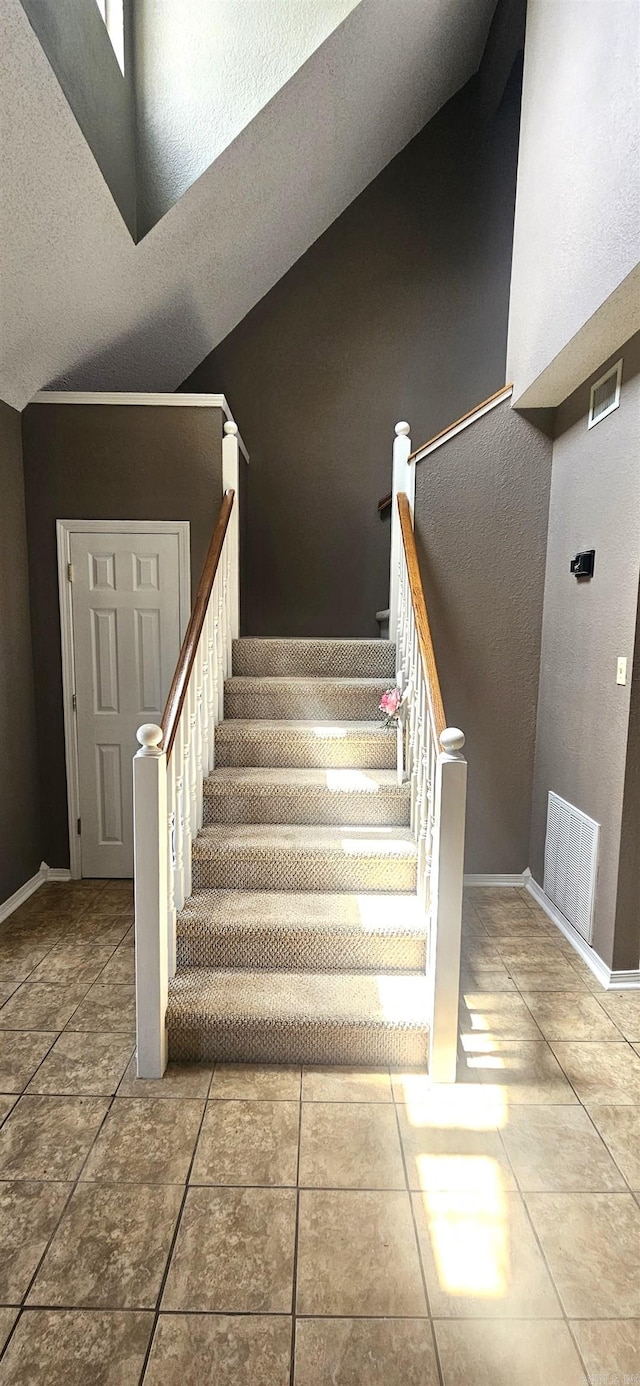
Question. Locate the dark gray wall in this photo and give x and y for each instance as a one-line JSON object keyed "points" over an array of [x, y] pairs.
{"points": [[119, 462], [481, 524], [20, 846], [398, 311], [583, 716], [78, 47]]}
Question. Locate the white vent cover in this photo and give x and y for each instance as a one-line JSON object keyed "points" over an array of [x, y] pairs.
{"points": [[605, 394], [571, 863]]}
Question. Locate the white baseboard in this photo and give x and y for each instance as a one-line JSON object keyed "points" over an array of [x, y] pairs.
{"points": [[520, 880], [611, 980], [46, 873]]}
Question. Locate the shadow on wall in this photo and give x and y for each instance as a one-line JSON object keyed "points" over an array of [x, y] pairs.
{"points": [[103, 370]]}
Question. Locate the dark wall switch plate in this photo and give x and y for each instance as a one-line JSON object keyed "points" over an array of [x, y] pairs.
{"points": [[583, 564]]}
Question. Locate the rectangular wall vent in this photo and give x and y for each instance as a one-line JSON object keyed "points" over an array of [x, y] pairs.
{"points": [[605, 394], [571, 863]]}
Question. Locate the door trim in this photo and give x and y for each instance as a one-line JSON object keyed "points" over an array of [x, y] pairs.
{"points": [[64, 530]]}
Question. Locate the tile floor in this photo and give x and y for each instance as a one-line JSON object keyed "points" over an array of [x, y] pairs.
{"points": [[484, 1235]]}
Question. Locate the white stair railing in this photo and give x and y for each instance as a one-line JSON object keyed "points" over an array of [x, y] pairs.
{"points": [[430, 757], [169, 769]]}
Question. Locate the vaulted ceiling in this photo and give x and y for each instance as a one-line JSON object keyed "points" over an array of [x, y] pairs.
{"points": [[83, 306]]}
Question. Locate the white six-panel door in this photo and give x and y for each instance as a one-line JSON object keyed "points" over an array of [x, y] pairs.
{"points": [[126, 631]]}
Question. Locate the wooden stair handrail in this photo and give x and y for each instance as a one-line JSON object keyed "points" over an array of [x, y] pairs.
{"points": [[425, 642], [186, 658], [415, 456]]}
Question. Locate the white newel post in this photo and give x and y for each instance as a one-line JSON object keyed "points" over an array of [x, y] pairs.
{"points": [[447, 868], [403, 479], [151, 865], [231, 481]]}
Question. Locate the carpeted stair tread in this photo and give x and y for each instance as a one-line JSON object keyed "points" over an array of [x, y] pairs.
{"points": [[265, 655], [302, 931], [282, 795], [257, 856], [354, 840], [298, 1017], [267, 697], [308, 744]]}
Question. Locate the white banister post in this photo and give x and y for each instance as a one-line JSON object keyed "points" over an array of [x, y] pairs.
{"points": [[447, 877], [231, 481], [150, 866], [403, 479]]}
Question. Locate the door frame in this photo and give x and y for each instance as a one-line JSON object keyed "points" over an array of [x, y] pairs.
{"points": [[64, 530]]}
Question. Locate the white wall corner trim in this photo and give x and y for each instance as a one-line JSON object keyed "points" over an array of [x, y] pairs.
{"points": [[176, 401], [610, 980], [45, 873]]}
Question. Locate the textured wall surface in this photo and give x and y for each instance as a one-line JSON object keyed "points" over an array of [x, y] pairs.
{"points": [[84, 307], [398, 311], [583, 715], [20, 847], [75, 40], [577, 229], [481, 524], [626, 944], [104, 462], [203, 70]]}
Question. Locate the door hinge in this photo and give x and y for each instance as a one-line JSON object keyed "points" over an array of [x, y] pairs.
{"points": [[74, 702], [79, 826], [69, 572]]}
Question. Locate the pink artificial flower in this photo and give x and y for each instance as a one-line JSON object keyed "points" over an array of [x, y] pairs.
{"points": [[390, 702]]}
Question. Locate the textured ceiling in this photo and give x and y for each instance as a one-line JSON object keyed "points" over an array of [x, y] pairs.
{"points": [[82, 306]]}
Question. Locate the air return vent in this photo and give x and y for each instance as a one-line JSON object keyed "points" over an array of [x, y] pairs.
{"points": [[571, 863], [605, 395]]}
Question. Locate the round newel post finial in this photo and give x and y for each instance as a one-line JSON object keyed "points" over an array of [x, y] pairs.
{"points": [[230, 427], [149, 737], [403, 428], [452, 739]]}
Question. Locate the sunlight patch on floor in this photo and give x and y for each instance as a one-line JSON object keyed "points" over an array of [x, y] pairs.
{"points": [[469, 1235], [458, 1106]]}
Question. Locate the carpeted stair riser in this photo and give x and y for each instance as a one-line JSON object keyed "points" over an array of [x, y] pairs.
{"points": [[323, 700], [299, 950], [301, 746], [278, 864], [204, 1039], [305, 802], [372, 659]]}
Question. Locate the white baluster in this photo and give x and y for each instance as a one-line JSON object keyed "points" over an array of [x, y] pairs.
{"points": [[231, 481], [199, 710], [193, 758], [188, 833], [178, 756], [446, 904], [171, 864], [403, 479], [150, 869]]}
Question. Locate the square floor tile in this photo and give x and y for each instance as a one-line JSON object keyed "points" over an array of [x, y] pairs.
{"points": [[605, 1073], [248, 1143], [543, 952], [440, 1154], [566, 1016], [351, 1145], [107, 1008], [110, 1249], [7, 1320], [21, 1052], [245, 1082], [120, 969], [520, 1070], [611, 1350], [178, 1080], [620, 1131], [103, 932], [480, 1256], [555, 1148], [17, 962], [502, 1353], [624, 1009], [7, 989], [41, 1006], [72, 966], [29, 1214], [49, 1137], [592, 1245], [79, 1063], [234, 1252], [500, 1014], [145, 1141], [365, 1352], [74, 1347], [551, 977], [346, 1085], [474, 979], [357, 1255], [252, 1350]]}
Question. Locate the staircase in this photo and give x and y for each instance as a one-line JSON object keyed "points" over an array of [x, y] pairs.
{"points": [[303, 939]]}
